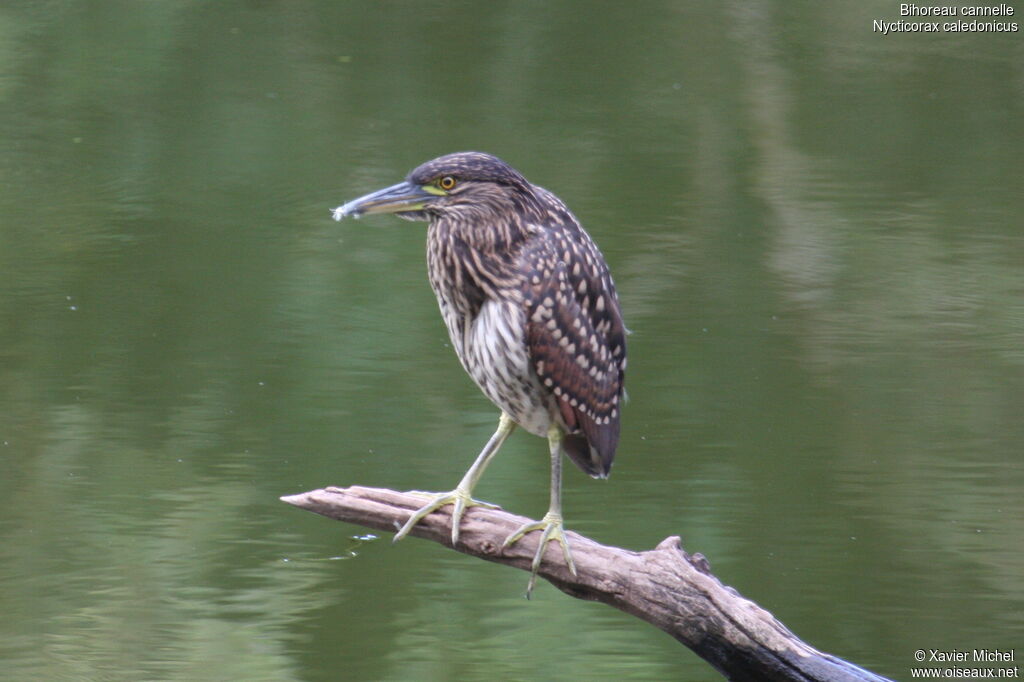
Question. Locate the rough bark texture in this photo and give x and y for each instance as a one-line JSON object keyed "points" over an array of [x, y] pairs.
{"points": [[666, 587]]}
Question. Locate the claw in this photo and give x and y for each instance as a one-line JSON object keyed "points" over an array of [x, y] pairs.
{"points": [[553, 530], [458, 497]]}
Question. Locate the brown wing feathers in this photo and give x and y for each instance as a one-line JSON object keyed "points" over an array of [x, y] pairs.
{"points": [[577, 346]]}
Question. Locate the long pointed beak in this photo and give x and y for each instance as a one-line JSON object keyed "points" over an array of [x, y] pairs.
{"points": [[401, 197]]}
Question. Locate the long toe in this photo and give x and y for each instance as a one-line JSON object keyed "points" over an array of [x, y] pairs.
{"points": [[461, 500], [553, 530]]}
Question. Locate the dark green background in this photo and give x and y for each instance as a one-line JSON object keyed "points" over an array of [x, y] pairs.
{"points": [[817, 235]]}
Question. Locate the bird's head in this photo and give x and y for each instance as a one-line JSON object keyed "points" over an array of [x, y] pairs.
{"points": [[467, 184]]}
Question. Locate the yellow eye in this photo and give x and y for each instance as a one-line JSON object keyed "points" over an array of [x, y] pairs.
{"points": [[446, 183]]}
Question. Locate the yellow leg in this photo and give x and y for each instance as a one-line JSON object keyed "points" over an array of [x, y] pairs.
{"points": [[462, 496], [551, 525]]}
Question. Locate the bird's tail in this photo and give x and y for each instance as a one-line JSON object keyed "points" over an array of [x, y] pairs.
{"points": [[587, 457]]}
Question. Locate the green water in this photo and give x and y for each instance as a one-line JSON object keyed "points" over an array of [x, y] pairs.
{"points": [[817, 235]]}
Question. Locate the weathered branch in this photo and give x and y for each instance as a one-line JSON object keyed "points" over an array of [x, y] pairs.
{"points": [[665, 586]]}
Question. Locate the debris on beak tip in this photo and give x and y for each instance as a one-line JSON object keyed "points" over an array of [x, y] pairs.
{"points": [[341, 212]]}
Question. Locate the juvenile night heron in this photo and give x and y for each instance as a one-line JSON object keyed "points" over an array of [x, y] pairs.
{"points": [[532, 313]]}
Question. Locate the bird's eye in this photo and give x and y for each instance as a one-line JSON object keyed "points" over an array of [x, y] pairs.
{"points": [[446, 183]]}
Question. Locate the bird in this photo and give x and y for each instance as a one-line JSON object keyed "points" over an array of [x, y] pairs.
{"points": [[533, 316]]}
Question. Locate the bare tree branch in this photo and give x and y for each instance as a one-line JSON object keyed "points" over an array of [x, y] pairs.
{"points": [[666, 587]]}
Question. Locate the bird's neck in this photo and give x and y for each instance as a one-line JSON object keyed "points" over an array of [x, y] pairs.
{"points": [[485, 232], [469, 264]]}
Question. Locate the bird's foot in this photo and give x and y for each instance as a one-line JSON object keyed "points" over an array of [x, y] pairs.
{"points": [[458, 497], [553, 531]]}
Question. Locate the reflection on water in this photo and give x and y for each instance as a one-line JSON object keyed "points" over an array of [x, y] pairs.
{"points": [[162, 589], [817, 249]]}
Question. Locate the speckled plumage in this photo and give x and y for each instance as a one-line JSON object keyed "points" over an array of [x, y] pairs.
{"points": [[532, 313], [529, 303]]}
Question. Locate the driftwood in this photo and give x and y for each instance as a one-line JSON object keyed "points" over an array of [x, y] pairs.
{"points": [[666, 587]]}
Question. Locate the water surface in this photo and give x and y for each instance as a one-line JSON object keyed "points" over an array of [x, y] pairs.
{"points": [[815, 230]]}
